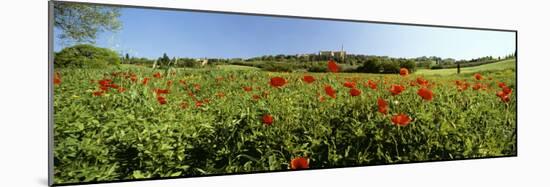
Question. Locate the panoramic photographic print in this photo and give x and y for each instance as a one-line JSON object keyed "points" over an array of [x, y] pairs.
{"points": [[148, 93]]}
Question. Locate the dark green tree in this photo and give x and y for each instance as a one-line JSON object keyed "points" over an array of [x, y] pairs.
{"points": [[371, 65], [164, 60], [86, 56], [409, 64]]}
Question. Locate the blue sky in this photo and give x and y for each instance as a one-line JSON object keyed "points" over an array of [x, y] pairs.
{"points": [[150, 33]]}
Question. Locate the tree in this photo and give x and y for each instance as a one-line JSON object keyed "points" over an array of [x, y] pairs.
{"points": [[371, 65], [409, 64], [127, 58], [164, 60], [390, 66], [82, 22], [86, 56]]}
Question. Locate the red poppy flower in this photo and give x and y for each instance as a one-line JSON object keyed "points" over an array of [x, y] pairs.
{"points": [[372, 84], [331, 92], [425, 93], [478, 76], [256, 97], [349, 84], [501, 85], [267, 119], [403, 72], [396, 89], [105, 82], [354, 92], [161, 91], [133, 78], [277, 82], [299, 163], [104, 88], [320, 97], [506, 90], [98, 93], [463, 86], [145, 80], [56, 79], [247, 88], [501, 94], [308, 79], [182, 82], [332, 66], [401, 120], [161, 100], [505, 98], [115, 86], [383, 106], [412, 83], [157, 75], [198, 104], [197, 87], [421, 81], [477, 86], [169, 83], [184, 105]]}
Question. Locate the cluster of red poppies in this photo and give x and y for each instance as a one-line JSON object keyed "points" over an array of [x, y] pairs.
{"points": [[504, 94], [56, 79], [400, 119], [105, 85]]}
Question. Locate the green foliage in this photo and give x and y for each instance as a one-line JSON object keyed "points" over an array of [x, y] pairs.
{"points": [[386, 65], [85, 56], [278, 67], [509, 64], [371, 65], [82, 22], [163, 61], [129, 135], [318, 67], [409, 64]]}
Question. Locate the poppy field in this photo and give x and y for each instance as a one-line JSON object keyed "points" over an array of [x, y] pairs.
{"points": [[132, 122]]}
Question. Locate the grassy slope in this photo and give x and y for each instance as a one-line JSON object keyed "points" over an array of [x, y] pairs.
{"points": [[236, 67], [506, 64], [502, 65]]}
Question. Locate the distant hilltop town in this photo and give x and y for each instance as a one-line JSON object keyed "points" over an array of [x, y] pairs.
{"points": [[341, 54], [334, 54]]}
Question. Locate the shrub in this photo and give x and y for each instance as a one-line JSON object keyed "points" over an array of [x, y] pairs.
{"points": [[371, 65], [390, 67], [279, 67], [409, 64], [86, 56], [437, 67], [317, 68], [386, 65]]}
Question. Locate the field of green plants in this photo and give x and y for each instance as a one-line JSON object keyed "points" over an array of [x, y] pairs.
{"points": [[132, 122]]}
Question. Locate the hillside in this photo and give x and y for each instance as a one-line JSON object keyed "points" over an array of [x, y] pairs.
{"points": [[505, 64]]}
